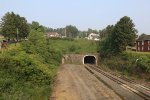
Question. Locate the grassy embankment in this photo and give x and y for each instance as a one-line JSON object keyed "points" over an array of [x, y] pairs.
{"points": [[27, 70], [136, 64], [77, 46]]}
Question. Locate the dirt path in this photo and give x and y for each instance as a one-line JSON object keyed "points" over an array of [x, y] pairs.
{"points": [[74, 82]]}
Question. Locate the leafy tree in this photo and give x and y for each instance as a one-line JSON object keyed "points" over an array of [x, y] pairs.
{"points": [[118, 37], [124, 34], [106, 32], [36, 26], [47, 29], [11, 23], [37, 43], [71, 31], [82, 34]]}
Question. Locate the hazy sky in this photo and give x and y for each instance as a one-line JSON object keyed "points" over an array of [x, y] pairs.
{"points": [[84, 14]]}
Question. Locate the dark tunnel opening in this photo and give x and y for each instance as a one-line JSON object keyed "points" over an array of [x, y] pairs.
{"points": [[89, 60]]}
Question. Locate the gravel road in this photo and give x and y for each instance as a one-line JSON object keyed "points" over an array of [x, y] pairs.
{"points": [[74, 82]]}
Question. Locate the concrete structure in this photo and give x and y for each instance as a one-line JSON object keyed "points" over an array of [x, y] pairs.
{"points": [[81, 59], [143, 43], [90, 59]]}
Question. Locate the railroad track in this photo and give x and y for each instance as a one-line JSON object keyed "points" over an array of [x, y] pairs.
{"points": [[138, 89]]}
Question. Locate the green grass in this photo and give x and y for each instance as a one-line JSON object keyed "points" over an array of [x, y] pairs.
{"points": [[78, 46], [140, 53], [130, 63]]}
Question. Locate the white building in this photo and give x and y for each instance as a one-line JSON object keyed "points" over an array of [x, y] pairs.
{"points": [[93, 36], [52, 34]]}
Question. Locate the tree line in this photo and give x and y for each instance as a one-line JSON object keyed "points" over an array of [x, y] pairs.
{"points": [[114, 37], [14, 26]]}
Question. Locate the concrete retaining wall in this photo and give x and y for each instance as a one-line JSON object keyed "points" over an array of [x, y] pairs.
{"points": [[78, 58]]}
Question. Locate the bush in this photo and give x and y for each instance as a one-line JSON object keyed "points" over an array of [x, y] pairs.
{"points": [[28, 72], [129, 63], [105, 48], [143, 64]]}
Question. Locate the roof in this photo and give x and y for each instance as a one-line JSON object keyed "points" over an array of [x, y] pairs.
{"points": [[144, 37]]}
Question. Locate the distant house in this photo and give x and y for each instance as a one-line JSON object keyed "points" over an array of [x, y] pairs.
{"points": [[93, 36], [143, 43], [52, 34]]}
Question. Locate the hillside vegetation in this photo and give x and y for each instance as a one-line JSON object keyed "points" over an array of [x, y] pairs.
{"points": [[113, 53], [78, 46], [130, 64], [27, 71]]}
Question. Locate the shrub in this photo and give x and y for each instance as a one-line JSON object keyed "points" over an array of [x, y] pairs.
{"points": [[143, 64], [27, 72], [129, 63]]}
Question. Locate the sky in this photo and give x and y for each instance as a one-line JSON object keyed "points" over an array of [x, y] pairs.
{"points": [[83, 14]]}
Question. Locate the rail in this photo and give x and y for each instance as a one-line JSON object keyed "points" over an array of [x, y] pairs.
{"points": [[138, 89]]}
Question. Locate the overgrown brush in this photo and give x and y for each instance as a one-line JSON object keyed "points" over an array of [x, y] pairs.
{"points": [[27, 72], [129, 63]]}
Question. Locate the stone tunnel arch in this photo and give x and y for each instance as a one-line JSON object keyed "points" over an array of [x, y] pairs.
{"points": [[89, 59]]}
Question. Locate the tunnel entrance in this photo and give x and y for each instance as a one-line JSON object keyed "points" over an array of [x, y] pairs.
{"points": [[89, 60]]}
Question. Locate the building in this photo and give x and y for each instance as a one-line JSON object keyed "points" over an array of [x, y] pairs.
{"points": [[143, 43], [93, 36], [52, 34]]}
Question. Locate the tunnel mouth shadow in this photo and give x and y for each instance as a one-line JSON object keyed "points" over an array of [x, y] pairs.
{"points": [[89, 60]]}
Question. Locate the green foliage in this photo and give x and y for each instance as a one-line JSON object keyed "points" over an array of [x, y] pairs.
{"points": [[66, 45], [37, 43], [124, 34], [27, 73], [129, 63], [22, 76], [73, 48], [118, 37], [36, 26], [11, 22], [71, 31], [105, 47], [143, 64], [106, 32]]}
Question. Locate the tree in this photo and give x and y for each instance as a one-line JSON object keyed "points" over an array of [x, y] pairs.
{"points": [[118, 37], [71, 31], [124, 34], [47, 29], [12, 24], [36, 26], [82, 34], [106, 31]]}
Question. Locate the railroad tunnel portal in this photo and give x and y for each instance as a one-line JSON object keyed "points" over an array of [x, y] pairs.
{"points": [[89, 59]]}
